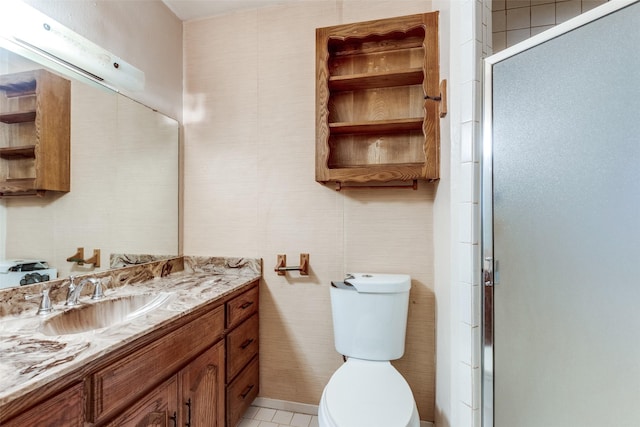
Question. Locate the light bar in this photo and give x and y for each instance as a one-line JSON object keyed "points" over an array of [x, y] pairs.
{"points": [[34, 30]]}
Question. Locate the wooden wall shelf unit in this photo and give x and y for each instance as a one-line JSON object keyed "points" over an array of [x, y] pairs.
{"points": [[379, 101], [35, 124]]}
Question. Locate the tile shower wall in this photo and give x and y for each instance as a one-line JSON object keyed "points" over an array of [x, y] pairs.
{"points": [[473, 45], [516, 20]]}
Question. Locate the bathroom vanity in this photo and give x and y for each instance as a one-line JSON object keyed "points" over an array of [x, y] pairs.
{"points": [[191, 360]]}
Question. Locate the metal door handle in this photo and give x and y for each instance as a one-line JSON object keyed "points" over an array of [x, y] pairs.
{"points": [[487, 271]]}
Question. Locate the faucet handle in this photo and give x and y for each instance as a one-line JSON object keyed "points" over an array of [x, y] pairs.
{"points": [[97, 289], [45, 303]]}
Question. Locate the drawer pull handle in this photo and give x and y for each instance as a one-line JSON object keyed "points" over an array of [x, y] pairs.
{"points": [[246, 305], [246, 344], [188, 403], [174, 418], [246, 391]]}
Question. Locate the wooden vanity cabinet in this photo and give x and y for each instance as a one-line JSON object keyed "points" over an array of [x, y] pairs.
{"points": [[195, 393], [63, 409], [378, 100], [35, 133], [200, 371]]}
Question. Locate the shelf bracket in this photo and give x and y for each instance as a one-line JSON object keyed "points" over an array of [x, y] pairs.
{"points": [[281, 266]]}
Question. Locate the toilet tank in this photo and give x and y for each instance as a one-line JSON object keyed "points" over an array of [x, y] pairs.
{"points": [[370, 315]]}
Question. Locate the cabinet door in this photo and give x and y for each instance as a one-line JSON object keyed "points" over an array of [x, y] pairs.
{"points": [[202, 385], [157, 409]]}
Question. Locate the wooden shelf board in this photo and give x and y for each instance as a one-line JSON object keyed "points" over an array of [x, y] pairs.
{"points": [[376, 80], [18, 117], [24, 152], [378, 165], [375, 172], [380, 126], [22, 185]]}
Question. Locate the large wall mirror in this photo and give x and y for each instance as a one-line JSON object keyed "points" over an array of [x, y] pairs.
{"points": [[124, 183]]}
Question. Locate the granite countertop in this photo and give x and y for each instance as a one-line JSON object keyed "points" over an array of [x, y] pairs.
{"points": [[29, 359]]}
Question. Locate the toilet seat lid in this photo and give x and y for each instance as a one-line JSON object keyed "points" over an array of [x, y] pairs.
{"points": [[368, 393]]}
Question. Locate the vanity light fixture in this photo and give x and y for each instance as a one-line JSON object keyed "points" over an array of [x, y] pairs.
{"points": [[35, 31]]}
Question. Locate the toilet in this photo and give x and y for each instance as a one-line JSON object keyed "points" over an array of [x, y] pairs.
{"points": [[369, 323]]}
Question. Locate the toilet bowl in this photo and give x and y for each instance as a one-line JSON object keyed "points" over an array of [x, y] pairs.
{"points": [[363, 393], [369, 322]]}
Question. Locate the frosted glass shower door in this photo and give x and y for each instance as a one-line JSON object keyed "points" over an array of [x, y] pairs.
{"points": [[566, 229]]}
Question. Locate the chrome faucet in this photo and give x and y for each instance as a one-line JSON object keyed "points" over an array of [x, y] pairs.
{"points": [[74, 290]]}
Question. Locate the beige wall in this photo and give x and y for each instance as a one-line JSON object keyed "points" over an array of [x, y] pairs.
{"points": [[250, 191]]}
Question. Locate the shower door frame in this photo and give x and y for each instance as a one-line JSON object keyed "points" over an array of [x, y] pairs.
{"points": [[490, 266]]}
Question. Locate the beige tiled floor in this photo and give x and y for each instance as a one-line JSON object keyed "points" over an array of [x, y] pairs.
{"points": [[267, 417]]}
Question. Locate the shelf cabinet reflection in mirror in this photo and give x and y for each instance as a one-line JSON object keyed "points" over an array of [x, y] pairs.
{"points": [[35, 132]]}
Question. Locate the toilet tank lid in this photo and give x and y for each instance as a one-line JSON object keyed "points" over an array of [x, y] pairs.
{"points": [[379, 283]]}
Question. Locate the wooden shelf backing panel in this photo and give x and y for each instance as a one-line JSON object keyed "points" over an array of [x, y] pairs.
{"points": [[389, 103], [380, 149], [24, 152], [17, 134], [20, 168], [18, 117]]}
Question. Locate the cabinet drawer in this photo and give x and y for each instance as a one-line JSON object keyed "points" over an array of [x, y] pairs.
{"points": [[242, 345], [121, 382], [241, 392], [241, 307]]}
